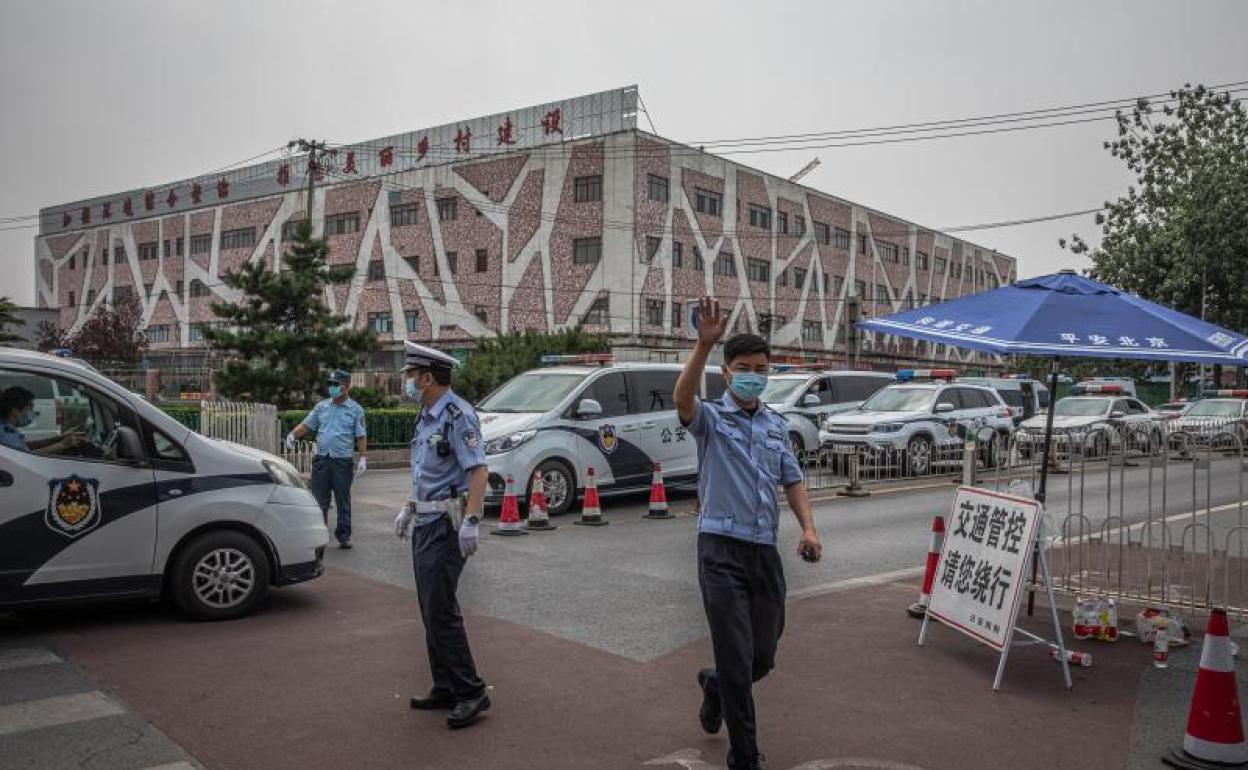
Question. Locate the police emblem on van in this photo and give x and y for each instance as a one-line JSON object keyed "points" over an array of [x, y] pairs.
{"points": [[607, 439], [73, 506]]}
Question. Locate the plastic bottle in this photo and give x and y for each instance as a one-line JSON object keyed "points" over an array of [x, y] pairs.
{"points": [[1161, 643]]}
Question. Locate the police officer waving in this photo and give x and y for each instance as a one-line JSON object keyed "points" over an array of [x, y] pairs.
{"points": [[744, 455], [442, 518]]}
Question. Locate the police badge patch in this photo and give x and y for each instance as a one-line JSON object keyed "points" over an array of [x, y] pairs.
{"points": [[607, 439], [73, 506], [471, 439]]}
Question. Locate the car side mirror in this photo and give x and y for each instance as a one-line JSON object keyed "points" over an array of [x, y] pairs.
{"points": [[1117, 414], [944, 406], [588, 409], [129, 445], [810, 399]]}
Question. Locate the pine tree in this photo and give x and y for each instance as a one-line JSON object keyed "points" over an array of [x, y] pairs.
{"points": [[280, 336], [9, 319]]}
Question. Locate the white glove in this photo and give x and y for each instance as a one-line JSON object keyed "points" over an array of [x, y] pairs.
{"points": [[403, 523], [361, 466], [469, 536], [290, 440]]}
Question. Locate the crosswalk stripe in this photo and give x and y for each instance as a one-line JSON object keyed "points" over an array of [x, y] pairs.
{"points": [[24, 657], [60, 710]]}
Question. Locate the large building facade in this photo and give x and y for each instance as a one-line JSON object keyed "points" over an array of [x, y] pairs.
{"points": [[544, 218]]}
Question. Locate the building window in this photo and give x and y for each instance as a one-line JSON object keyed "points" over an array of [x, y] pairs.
{"points": [[799, 222], [678, 254], [921, 261], [940, 265], [586, 251], [698, 263], [783, 278], [955, 270], [657, 187], [158, 334], [341, 224], [195, 332], [598, 312], [71, 261], [121, 294], [147, 251], [201, 244], [654, 312], [447, 209], [147, 289], [104, 256], [73, 300], [799, 278], [90, 297], [587, 189], [243, 238], [758, 270], [840, 238], [822, 233], [198, 289], [725, 265], [838, 283], [452, 261], [480, 312], [881, 293], [812, 331], [678, 320], [862, 243], [782, 223], [177, 244], [905, 255], [377, 270], [178, 289], [825, 283], [483, 260], [760, 216], [380, 322], [289, 230], [413, 262], [652, 248], [888, 251], [708, 202], [922, 300], [401, 216], [412, 319], [860, 289]]}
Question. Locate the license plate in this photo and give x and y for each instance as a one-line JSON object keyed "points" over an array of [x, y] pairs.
{"points": [[844, 449]]}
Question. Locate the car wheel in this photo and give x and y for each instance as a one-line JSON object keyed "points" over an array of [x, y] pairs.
{"points": [[919, 456], [220, 575], [559, 485], [796, 443]]}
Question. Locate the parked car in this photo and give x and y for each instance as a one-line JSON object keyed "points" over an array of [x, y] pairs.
{"points": [[1123, 385], [1024, 396], [807, 398], [1093, 425], [1174, 409], [1220, 421]]}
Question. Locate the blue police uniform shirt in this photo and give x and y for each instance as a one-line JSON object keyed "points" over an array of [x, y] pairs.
{"points": [[742, 459], [11, 437], [337, 427], [434, 476]]}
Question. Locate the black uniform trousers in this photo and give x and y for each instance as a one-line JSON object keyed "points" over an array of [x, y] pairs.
{"points": [[743, 593], [438, 564]]}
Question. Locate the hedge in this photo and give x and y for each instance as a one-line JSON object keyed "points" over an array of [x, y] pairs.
{"points": [[387, 428]]}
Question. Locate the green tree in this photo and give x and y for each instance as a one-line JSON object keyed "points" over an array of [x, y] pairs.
{"points": [[1179, 236], [111, 336], [280, 336], [48, 336], [499, 359], [9, 319]]}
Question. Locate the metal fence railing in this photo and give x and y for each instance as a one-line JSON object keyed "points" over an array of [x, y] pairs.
{"points": [[250, 424]]}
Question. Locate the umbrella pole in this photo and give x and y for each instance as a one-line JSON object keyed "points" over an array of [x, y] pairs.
{"points": [[1044, 475]]}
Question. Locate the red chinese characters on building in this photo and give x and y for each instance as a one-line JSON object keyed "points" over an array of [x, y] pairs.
{"points": [[107, 210], [223, 189], [505, 132], [349, 166], [553, 122], [171, 199], [86, 215], [149, 200], [283, 174], [127, 207], [197, 193], [386, 156], [66, 219], [422, 148], [463, 140]]}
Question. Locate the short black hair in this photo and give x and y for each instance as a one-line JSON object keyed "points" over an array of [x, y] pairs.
{"points": [[15, 397], [745, 345], [441, 376]]}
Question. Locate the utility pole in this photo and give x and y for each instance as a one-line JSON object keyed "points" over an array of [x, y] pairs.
{"points": [[316, 154]]}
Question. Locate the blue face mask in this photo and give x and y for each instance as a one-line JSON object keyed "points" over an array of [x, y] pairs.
{"points": [[335, 391], [410, 390], [748, 386], [25, 417]]}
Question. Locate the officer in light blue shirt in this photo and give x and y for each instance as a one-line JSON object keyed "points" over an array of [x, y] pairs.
{"points": [[443, 520], [744, 455], [340, 433]]}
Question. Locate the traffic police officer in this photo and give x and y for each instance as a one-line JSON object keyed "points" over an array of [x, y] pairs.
{"points": [[339, 425], [744, 454], [443, 520]]}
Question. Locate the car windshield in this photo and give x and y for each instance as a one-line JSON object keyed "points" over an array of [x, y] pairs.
{"points": [[532, 392], [780, 391], [1081, 407], [900, 400], [1214, 409], [1171, 407]]}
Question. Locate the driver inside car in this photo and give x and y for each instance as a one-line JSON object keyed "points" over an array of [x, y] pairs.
{"points": [[17, 410]]}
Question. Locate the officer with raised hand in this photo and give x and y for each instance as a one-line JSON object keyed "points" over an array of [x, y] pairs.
{"points": [[339, 425], [443, 520], [744, 455]]}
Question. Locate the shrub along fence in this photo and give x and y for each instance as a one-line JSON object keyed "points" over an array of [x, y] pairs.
{"points": [[387, 428]]}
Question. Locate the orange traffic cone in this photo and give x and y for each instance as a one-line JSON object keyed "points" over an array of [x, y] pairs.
{"points": [[919, 608], [509, 518], [591, 510], [539, 516], [1215, 727], [658, 496]]}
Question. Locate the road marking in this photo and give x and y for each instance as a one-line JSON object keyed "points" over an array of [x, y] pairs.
{"points": [[1140, 525], [61, 710], [25, 657], [691, 759], [880, 578], [172, 766]]}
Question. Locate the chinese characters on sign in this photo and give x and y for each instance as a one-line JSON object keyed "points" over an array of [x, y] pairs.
{"points": [[953, 326], [504, 132], [463, 140], [349, 166], [552, 123], [386, 156], [982, 567], [1101, 340]]}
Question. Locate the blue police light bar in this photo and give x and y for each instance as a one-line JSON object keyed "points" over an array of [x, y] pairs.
{"points": [[63, 352], [1095, 387], [1019, 376], [926, 374]]}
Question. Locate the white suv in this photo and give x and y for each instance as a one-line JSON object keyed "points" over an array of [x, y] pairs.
{"points": [[807, 398], [919, 419]]}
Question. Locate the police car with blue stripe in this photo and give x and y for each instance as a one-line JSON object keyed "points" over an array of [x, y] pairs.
{"points": [[114, 498], [806, 398]]}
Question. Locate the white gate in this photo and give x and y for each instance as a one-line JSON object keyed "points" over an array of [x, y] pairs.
{"points": [[249, 424]]}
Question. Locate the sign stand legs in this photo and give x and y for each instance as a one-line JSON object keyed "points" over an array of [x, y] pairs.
{"points": [[1040, 552]]}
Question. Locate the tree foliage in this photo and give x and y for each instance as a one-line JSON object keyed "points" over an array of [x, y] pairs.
{"points": [[111, 336], [1180, 234], [497, 360], [48, 336], [280, 336], [9, 319]]}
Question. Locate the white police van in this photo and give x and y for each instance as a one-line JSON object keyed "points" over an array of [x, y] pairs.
{"points": [[587, 411], [1024, 396], [806, 398], [134, 504]]}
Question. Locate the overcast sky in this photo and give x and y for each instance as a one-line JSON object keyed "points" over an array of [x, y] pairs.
{"points": [[101, 97]]}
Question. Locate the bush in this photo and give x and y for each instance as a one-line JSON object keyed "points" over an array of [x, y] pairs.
{"points": [[187, 414], [372, 398], [387, 428]]}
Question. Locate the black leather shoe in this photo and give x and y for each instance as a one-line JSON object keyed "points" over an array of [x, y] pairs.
{"points": [[754, 764], [344, 545], [468, 711], [434, 700], [710, 715]]}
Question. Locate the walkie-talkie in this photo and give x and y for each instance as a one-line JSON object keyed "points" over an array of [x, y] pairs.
{"points": [[444, 444]]}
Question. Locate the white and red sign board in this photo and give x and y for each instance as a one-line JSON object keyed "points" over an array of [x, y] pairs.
{"points": [[980, 576]]}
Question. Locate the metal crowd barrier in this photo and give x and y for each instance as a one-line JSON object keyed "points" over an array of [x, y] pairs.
{"points": [[250, 424]]}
